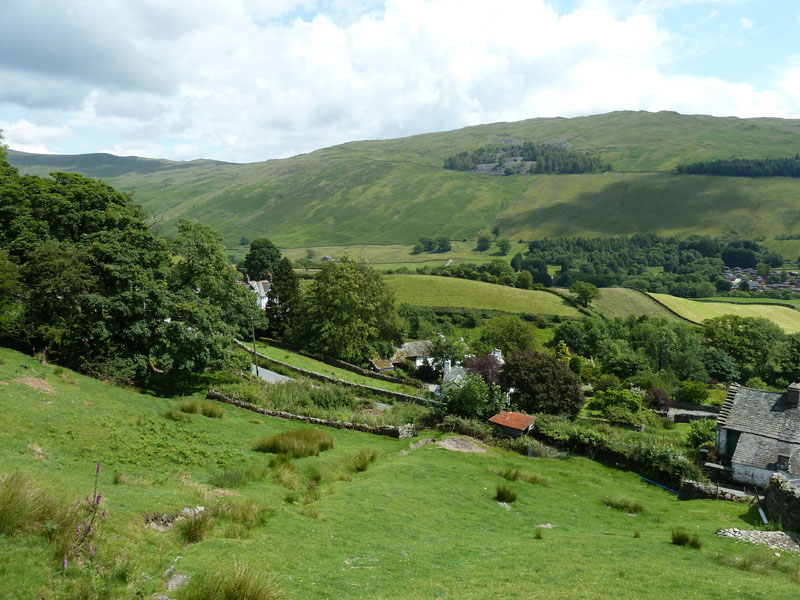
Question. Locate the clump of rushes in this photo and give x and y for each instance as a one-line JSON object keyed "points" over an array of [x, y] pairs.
{"points": [[197, 527], [505, 494], [241, 583], [296, 443], [176, 415], [681, 537], [514, 474], [189, 405], [212, 410], [362, 460], [625, 504]]}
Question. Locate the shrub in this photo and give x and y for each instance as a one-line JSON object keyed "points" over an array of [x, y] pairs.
{"points": [[606, 400], [471, 427], [296, 443], [529, 446], [658, 399], [625, 504], [176, 415], [189, 405], [197, 527], [241, 583], [701, 431], [212, 410], [693, 392], [505, 494], [362, 460]]}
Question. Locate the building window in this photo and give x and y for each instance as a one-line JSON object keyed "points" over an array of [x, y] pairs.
{"points": [[783, 462]]}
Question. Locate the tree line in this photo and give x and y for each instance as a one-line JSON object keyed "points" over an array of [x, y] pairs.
{"points": [[745, 167], [548, 158]]}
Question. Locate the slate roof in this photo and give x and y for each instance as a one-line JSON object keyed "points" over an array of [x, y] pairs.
{"points": [[454, 375], [768, 427], [513, 420], [761, 413], [407, 350]]}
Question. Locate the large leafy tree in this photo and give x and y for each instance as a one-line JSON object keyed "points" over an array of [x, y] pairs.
{"points": [[283, 304], [541, 383], [349, 313], [102, 291], [755, 342], [263, 256], [509, 333]]}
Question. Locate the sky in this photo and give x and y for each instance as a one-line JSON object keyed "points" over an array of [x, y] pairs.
{"points": [[251, 80]]}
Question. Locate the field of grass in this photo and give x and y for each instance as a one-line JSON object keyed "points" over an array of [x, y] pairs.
{"points": [[431, 290], [394, 191], [787, 318], [745, 300], [417, 523], [317, 366], [622, 302]]}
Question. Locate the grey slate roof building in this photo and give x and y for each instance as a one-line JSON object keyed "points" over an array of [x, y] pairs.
{"points": [[758, 433]]}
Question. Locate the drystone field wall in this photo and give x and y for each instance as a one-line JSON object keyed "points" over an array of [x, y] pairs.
{"points": [[694, 490], [396, 431], [782, 500]]}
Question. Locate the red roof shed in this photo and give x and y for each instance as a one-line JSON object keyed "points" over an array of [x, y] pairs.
{"points": [[512, 424]]}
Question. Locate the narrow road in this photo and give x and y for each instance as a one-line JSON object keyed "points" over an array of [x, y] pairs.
{"points": [[269, 376]]}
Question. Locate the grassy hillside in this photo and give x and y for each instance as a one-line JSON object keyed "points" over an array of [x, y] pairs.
{"points": [[394, 191], [431, 290], [787, 318], [419, 523]]}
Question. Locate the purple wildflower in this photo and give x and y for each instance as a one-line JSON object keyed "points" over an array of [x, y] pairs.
{"points": [[98, 468], [65, 563], [79, 530], [92, 550], [98, 498], [104, 514]]}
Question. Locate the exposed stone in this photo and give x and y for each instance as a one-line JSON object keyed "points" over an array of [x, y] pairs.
{"points": [[694, 490], [778, 540], [177, 581], [782, 502]]}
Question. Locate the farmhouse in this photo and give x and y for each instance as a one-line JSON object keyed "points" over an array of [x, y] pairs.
{"points": [[417, 353], [758, 433], [260, 288], [512, 424]]}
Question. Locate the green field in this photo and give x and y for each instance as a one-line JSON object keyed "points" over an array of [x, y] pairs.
{"points": [[395, 191], [317, 366], [743, 300], [432, 290], [623, 302], [419, 523], [787, 318]]}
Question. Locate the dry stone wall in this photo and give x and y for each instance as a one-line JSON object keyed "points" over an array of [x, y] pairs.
{"points": [[782, 501]]}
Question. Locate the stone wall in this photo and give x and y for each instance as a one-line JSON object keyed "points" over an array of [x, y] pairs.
{"points": [[694, 490], [396, 431], [782, 502]]}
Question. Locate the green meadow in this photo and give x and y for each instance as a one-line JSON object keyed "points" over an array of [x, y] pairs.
{"points": [[416, 523], [624, 302]]}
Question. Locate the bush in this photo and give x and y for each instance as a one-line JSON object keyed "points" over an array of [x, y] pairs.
{"points": [[241, 583], [692, 392], [702, 431], [362, 460], [625, 504], [296, 443], [542, 384], [505, 494], [626, 400], [529, 446], [212, 410], [471, 427]]}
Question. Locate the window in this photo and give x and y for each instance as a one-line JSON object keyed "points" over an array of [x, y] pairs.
{"points": [[783, 462]]}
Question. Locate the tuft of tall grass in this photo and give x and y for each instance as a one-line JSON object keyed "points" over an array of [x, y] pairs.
{"points": [[197, 527], [246, 514], [625, 504], [176, 415], [238, 476], [681, 537], [514, 474], [363, 459], [296, 443], [539, 534], [212, 410], [285, 471], [189, 405], [505, 494], [241, 583]]}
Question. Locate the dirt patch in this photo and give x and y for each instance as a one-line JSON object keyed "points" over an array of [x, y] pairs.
{"points": [[460, 444], [422, 443], [3, 383], [36, 383], [36, 452]]}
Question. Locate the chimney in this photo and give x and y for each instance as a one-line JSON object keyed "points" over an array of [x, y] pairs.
{"points": [[446, 366], [793, 395]]}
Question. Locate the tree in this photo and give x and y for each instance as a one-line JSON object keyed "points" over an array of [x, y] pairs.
{"points": [[524, 280], [9, 294], [349, 313], [753, 341], [509, 333], [484, 243], [263, 256], [283, 303], [561, 352], [542, 384], [583, 293], [442, 349], [442, 244], [474, 399], [487, 366], [504, 246]]}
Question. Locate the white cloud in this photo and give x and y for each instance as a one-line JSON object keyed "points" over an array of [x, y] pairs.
{"points": [[33, 137], [746, 23], [237, 80]]}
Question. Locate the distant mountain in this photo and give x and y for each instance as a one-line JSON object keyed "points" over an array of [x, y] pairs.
{"points": [[395, 191]]}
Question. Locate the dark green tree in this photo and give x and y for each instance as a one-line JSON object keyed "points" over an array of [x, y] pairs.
{"points": [[443, 349], [542, 384], [509, 333], [484, 243], [263, 256], [474, 399], [283, 304], [755, 343], [504, 246], [442, 244], [349, 313], [583, 292]]}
